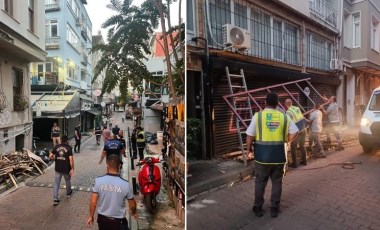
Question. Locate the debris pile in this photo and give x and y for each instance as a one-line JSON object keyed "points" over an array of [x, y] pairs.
{"points": [[15, 164]]}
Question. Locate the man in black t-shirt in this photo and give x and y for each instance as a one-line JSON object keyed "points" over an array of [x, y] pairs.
{"points": [[78, 138], [64, 166], [115, 130], [113, 146], [98, 132]]}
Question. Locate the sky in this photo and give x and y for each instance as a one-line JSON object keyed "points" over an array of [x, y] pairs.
{"points": [[99, 13]]}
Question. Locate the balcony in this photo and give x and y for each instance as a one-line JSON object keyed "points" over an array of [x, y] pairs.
{"points": [[45, 78], [52, 43], [324, 11], [52, 5]]}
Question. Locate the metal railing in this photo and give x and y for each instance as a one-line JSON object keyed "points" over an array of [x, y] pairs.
{"points": [[324, 11], [52, 5], [52, 42], [270, 38]]}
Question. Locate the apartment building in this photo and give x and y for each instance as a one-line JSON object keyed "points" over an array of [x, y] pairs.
{"points": [[21, 41], [61, 85], [360, 55], [287, 40]]}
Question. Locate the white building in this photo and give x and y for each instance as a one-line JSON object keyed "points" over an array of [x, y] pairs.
{"points": [[22, 41]]}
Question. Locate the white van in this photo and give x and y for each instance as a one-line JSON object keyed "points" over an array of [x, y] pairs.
{"points": [[369, 135]]}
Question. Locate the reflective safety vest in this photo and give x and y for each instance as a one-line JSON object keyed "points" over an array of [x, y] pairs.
{"points": [[140, 139], [271, 133], [297, 117]]}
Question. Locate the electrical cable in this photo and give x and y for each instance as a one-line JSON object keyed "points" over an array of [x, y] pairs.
{"points": [[344, 165]]}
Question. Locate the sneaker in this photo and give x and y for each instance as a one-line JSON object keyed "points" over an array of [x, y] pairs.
{"points": [[56, 202], [258, 210], [274, 212], [68, 195]]}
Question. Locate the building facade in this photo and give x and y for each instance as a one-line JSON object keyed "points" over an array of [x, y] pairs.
{"points": [[287, 41], [360, 55], [65, 77], [21, 41]]}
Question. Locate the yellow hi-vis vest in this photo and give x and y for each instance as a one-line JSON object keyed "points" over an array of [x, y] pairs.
{"points": [[297, 117], [271, 133], [140, 142]]}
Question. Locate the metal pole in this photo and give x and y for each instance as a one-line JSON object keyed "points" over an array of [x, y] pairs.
{"points": [[134, 185]]}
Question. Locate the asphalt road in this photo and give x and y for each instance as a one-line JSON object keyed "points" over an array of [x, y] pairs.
{"points": [[328, 197]]}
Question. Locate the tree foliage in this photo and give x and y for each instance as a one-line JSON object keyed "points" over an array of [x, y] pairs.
{"points": [[129, 32]]}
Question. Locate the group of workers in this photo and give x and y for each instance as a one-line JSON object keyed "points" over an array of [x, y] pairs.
{"points": [[269, 132]]}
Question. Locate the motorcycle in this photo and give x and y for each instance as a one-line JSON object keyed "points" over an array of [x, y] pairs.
{"points": [[149, 179]]}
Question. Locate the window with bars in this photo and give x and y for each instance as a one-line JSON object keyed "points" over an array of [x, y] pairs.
{"points": [[18, 82], [271, 37], [319, 52]]}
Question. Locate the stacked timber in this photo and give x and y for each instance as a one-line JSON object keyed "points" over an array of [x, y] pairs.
{"points": [[15, 164]]}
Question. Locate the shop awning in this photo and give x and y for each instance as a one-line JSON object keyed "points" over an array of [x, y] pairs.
{"points": [[94, 112], [56, 105]]}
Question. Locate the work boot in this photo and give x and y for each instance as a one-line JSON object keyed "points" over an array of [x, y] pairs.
{"points": [[258, 210], [303, 162], [293, 165], [274, 212]]}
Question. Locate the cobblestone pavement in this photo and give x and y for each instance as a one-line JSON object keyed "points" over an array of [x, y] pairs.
{"points": [[324, 198]]}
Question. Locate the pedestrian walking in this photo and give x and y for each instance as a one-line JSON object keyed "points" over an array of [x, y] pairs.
{"points": [[105, 121], [109, 194], [62, 154], [113, 146], [55, 134], [120, 137], [269, 130], [302, 124], [115, 130], [123, 117], [316, 129], [134, 142], [140, 143], [98, 133], [110, 122], [78, 138], [106, 134], [333, 127]]}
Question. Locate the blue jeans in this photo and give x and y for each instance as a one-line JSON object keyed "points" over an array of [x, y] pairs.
{"points": [[57, 182]]}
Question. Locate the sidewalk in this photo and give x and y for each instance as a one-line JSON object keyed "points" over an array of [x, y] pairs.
{"points": [[208, 175]]}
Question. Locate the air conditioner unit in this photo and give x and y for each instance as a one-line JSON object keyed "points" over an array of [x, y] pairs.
{"points": [[236, 37], [336, 64]]}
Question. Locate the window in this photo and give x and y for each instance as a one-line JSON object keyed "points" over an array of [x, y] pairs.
{"points": [[220, 14], [8, 6], [273, 38], [18, 78], [347, 30], [52, 28], [319, 52], [72, 38], [31, 15], [190, 22], [375, 34], [70, 72], [74, 8], [240, 16], [356, 22]]}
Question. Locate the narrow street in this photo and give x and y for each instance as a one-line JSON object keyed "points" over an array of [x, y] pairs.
{"points": [[323, 198], [31, 206]]}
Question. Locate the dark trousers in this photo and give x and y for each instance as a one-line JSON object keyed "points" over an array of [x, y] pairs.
{"points": [[77, 145], [98, 138], [300, 140], [263, 172], [141, 152], [107, 223]]}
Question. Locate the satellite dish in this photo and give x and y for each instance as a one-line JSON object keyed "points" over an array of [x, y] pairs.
{"points": [[237, 36]]}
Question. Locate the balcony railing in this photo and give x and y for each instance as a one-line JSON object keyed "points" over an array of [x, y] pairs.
{"points": [[324, 11], [52, 5], [44, 78], [52, 42]]}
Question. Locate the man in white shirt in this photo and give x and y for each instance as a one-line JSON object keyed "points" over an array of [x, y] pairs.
{"points": [[333, 113], [316, 129]]}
